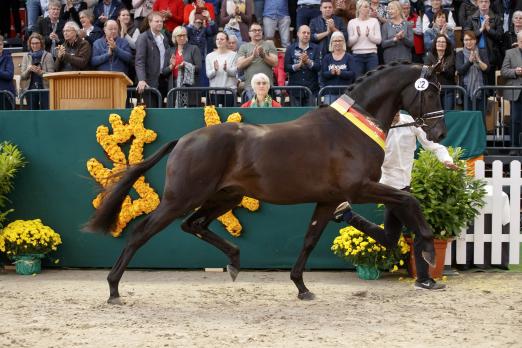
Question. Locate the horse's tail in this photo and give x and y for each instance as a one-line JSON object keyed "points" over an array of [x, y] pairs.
{"points": [[104, 219]]}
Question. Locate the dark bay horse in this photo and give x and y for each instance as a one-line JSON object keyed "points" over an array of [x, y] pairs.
{"points": [[320, 157]]}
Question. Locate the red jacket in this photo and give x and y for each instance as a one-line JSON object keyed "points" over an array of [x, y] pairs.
{"points": [[249, 103], [190, 7], [176, 9]]}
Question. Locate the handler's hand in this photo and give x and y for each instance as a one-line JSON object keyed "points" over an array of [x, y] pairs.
{"points": [[450, 165]]}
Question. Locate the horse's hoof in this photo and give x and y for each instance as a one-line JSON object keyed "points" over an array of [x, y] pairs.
{"points": [[429, 257], [306, 296], [115, 301], [233, 271]]}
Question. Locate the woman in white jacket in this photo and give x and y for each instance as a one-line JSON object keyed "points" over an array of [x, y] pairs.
{"points": [[221, 69]]}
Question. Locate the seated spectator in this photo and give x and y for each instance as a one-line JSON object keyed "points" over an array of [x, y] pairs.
{"points": [[51, 28], [303, 64], [142, 8], [127, 29], [221, 71], [89, 31], [416, 25], [337, 67], [233, 44], [105, 10], [472, 68], [364, 34], [75, 53], [111, 53], [151, 49], [172, 12], [440, 26], [70, 11], [512, 72], [378, 11], [36, 62], [199, 7], [442, 50], [183, 69], [324, 26], [6, 76], [466, 10], [199, 30], [397, 35], [236, 16], [276, 16], [510, 37], [260, 84], [255, 57], [487, 27], [429, 16]]}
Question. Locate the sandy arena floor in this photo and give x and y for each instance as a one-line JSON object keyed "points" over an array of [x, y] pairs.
{"points": [[67, 308]]}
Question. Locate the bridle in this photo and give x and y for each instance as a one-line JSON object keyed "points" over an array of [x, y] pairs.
{"points": [[435, 115]]}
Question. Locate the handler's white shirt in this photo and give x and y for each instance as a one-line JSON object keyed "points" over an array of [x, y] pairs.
{"points": [[401, 144]]}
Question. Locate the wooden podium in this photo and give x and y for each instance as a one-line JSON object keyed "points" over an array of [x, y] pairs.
{"points": [[87, 90]]}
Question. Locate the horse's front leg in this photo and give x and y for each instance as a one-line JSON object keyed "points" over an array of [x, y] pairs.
{"points": [[406, 208], [322, 214]]}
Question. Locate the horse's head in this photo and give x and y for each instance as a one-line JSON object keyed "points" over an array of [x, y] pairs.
{"points": [[422, 100]]}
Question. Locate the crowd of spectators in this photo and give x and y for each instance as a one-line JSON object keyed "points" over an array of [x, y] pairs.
{"points": [[224, 43]]}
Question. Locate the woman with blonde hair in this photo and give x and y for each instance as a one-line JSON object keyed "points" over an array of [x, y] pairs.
{"points": [[397, 35], [261, 85], [36, 62], [364, 34]]}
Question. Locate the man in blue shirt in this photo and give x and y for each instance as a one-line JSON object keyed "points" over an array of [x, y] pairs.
{"points": [[276, 16], [323, 26], [111, 53], [302, 64]]}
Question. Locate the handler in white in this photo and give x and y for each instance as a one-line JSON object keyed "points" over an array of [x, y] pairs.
{"points": [[401, 143]]}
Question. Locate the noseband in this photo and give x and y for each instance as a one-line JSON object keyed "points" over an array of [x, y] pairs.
{"points": [[421, 120]]}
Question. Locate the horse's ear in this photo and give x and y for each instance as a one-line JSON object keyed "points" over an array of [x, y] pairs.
{"points": [[437, 67]]}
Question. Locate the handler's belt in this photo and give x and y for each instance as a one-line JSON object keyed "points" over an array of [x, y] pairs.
{"points": [[344, 106]]}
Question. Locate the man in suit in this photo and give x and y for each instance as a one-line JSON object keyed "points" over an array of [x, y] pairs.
{"points": [[150, 57], [51, 27], [324, 25], [105, 10], [512, 72]]}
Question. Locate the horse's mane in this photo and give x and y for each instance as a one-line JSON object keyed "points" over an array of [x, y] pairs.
{"points": [[375, 71]]}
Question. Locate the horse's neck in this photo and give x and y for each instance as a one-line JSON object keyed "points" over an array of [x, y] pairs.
{"points": [[380, 96]]}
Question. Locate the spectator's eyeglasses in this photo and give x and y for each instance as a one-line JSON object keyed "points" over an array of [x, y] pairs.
{"points": [[256, 30], [181, 35]]}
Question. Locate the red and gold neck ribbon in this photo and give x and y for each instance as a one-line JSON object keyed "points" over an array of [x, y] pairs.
{"points": [[343, 105]]}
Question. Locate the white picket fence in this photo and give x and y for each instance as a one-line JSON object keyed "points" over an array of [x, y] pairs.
{"points": [[502, 212]]}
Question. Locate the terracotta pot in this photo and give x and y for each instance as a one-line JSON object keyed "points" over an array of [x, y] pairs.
{"points": [[440, 256]]}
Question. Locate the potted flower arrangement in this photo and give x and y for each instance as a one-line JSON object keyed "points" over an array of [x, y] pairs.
{"points": [[367, 255], [27, 242], [449, 200]]}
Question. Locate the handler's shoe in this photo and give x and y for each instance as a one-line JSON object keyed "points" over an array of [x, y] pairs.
{"points": [[429, 284], [341, 211]]}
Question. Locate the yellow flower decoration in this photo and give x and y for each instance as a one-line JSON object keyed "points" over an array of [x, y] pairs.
{"points": [[231, 223], [122, 133]]}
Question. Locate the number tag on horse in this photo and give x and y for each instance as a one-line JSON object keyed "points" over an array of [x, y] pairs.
{"points": [[421, 84]]}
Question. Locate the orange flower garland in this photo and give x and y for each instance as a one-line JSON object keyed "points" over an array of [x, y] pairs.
{"points": [[231, 223], [122, 133]]}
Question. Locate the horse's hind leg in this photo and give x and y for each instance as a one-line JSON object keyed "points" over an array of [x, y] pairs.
{"points": [[197, 224], [321, 217], [148, 227]]}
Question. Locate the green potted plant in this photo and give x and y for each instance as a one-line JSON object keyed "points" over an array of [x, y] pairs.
{"points": [[449, 199], [368, 256], [27, 242], [11, 161]]}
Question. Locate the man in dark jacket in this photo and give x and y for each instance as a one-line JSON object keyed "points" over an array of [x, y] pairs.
{"points": [[487, 27], [150, 57], [323, 26], [75, 53], [51, 28], [105, 10], [6, 77], [302, 64]]}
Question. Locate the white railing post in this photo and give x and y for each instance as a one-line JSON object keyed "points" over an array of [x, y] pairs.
{"points": [[496, 214], [478, 229], [514, 225]]}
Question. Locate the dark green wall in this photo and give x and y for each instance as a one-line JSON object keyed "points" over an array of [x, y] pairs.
{"points": [[56, 187]]}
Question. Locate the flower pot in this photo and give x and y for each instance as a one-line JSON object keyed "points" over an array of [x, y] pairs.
{"points": [[440, 256], [28, 264], [368, 272]]}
